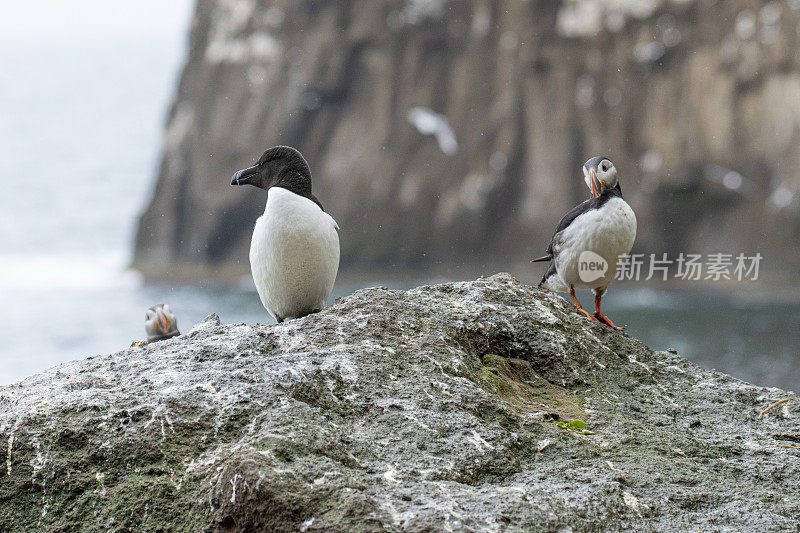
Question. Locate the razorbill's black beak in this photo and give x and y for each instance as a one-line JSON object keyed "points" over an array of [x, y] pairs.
{"points": [[243, 177]]}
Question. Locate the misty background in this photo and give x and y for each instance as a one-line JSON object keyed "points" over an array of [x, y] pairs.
{"points": [[446, 138]]}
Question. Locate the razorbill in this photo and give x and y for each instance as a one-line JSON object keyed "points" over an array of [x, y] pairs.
{"points": [[160, 323], [591, 238], [294, 252]]}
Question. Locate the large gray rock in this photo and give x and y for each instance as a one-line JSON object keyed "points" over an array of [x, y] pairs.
{"points": [[427, 410], [695, 101]]}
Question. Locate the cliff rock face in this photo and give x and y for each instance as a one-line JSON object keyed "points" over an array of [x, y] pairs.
{"points": [[428, 410], [450, 134]]}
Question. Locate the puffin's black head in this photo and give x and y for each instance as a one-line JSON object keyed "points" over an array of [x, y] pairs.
{"points": [[600, 175], [281, 166]]}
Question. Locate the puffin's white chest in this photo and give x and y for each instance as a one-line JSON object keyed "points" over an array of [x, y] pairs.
{"points": [[608, 231], [294, 255]]}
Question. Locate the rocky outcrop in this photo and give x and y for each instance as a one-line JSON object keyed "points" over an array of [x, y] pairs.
{"points": [[446, 407], [442, 133]]}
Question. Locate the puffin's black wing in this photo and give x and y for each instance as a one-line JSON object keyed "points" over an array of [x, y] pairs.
{"points": [[569, 218], [575, 212], [566, 220]]}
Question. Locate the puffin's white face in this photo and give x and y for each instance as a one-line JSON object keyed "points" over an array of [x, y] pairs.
{"points": [[160, 321], [600, 174]]}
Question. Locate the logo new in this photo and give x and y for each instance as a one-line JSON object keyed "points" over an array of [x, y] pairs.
{"points": [[591, 266]]}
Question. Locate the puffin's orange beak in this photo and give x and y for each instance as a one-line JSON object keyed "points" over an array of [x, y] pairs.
{"points": [[163, 321], [595, 194]]}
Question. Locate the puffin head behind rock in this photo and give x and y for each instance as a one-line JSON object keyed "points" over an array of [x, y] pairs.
{"points": [[600, 175], [160, 323]]}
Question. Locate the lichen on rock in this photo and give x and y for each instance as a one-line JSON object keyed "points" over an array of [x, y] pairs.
{"points": [[428, 409]]}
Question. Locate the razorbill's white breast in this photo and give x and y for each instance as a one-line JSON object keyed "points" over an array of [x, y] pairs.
{"points": [[294, 252], [590, 239], [160, 323]]}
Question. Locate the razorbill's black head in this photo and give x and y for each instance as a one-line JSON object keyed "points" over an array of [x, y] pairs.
{"points": [[160, 323], [280, 166], [600, 175]]}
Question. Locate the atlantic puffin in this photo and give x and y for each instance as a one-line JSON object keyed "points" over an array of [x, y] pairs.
{"points": [[160, 323], [294, 251], [591, 239]]}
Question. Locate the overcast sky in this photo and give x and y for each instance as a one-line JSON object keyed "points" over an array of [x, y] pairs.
{"points": [[50, 20]]}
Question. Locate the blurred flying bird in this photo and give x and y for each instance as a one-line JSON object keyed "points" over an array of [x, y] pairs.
{"points": [[591, 239], [160, 323], [294, 252]]}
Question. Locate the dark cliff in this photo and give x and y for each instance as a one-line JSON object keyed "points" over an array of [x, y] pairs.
{"points": [[450, 134], [447, 407]]}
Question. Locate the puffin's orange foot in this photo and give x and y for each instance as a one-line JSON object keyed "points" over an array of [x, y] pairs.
{"points": [[587, 313], [605, 320]]}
